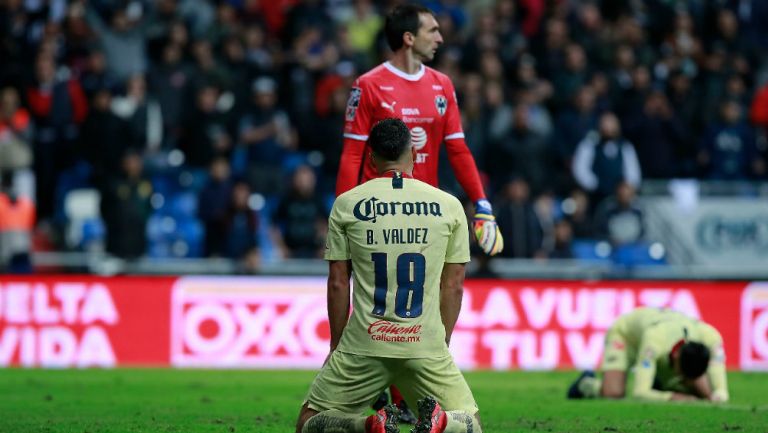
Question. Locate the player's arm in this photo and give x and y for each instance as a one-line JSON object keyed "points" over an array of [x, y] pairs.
{"points": [[350, 165], [464, 166], [357, 124], [716, 374], [339, 273], [645, 373], [451, 292], [452, 277], [700, 387]]}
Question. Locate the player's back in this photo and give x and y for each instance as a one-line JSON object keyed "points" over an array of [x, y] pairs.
{"points": [[400, 232], [665, 326]]}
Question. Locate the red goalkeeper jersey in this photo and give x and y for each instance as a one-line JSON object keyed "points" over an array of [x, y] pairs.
{"points": [[426, 102]]}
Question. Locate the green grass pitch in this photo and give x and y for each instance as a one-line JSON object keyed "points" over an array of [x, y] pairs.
{"points": [[148, 400]]}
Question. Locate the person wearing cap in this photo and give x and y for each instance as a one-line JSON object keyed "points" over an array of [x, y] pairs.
{"points": [[266, 133], [674, 357]]}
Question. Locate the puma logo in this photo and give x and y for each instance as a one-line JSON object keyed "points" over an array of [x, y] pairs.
{"points": [[390, 107]]}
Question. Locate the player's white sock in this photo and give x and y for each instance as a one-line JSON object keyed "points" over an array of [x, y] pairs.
{"points": [[334, 421], [461, 422], [590, 387]]}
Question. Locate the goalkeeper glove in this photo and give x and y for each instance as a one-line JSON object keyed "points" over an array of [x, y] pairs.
{"points": [[487, 231]]}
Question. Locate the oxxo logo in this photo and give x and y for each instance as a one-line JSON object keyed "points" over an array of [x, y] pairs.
{"points": [[247, 328], [754, 327]]}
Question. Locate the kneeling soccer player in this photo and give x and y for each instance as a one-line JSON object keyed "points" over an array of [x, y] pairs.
{"points": [[675, 357], [408, 245]]}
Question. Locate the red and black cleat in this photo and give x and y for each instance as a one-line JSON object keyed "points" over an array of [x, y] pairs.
{"points": [[384, 421], [432, 418]]}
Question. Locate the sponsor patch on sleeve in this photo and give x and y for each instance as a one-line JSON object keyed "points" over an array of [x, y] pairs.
{"points": [[352, 103]]}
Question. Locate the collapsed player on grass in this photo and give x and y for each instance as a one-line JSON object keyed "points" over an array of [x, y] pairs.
{"points": [[674, 357], [407, 243], [425, 100]]}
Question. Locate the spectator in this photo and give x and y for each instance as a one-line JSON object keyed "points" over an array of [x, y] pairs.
{"points": [[759, 116], [215, 198], [568, 80], [123, 42], [125, 207], [17, 222], [170, 81], [604, 158], [573, 124], [630, 98], [619, 219], [301, 217], [685, 103], [497, 117], [15, 134], [58, 106], [728, 150], [363, 28], [104, 139], [242, 225], [549, 48], [527, 79], [265, 132], [208, 71], [325, 137], [523, 151], [659, 136], [142, 115], [518, 222], [563, 245], [257, 53], [576, 210], [95, 76], [208, 130]]}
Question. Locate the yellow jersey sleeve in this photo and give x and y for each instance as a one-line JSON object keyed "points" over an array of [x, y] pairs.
{"points": [[716, 370], [337, 243], [649, 351], [458, 242]]}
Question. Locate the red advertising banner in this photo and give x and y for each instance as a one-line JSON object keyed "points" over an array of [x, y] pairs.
{"points": [[281, 322], [561, 324], [84, 321]]}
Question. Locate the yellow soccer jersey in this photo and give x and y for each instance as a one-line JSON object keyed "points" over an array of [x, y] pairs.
{"points": [[650, 334], [398, 232]]}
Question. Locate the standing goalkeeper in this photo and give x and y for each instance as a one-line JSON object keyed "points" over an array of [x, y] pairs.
{"points": [[425, 100]]}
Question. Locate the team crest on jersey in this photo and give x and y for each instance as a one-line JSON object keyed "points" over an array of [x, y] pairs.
{"points": [[352, 103], [441, 104]]}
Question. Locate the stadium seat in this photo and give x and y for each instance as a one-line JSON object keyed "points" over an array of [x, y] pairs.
{"points": [[76, 177], [635, 254], [81, 209], [182, 205], [94, 233], [590, 249]]}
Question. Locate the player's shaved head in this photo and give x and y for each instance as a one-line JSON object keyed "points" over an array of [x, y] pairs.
{"points": [[694, 359], [390, 139], [402, 19]]}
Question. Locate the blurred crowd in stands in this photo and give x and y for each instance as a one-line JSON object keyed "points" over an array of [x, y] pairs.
{"points": [[200, 128]]}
